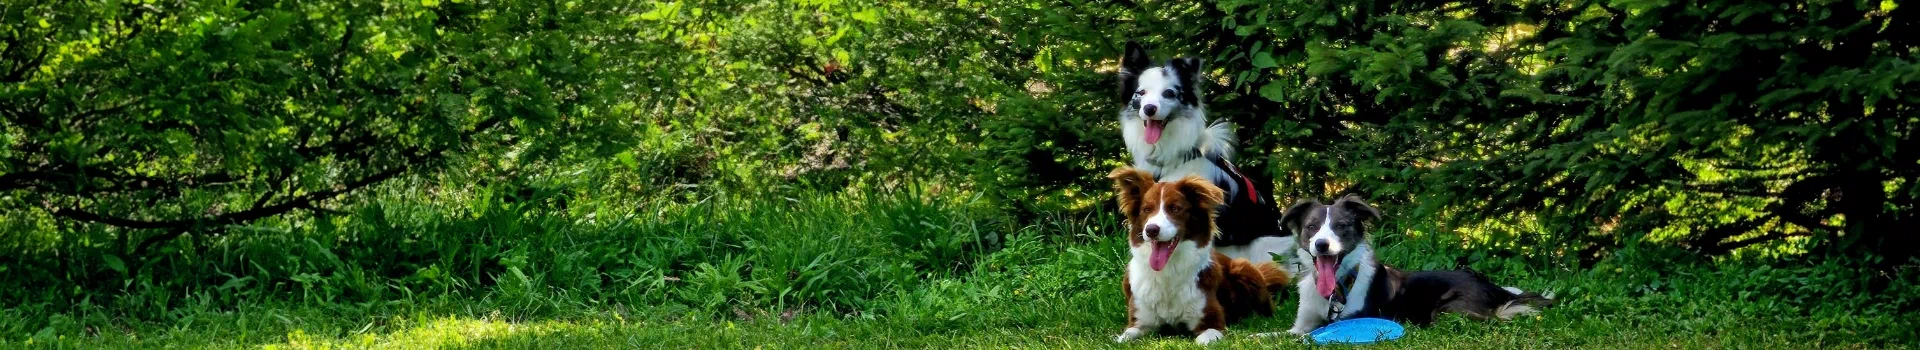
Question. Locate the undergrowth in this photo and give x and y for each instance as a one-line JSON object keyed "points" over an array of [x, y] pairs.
{"points": [[907, 267]]}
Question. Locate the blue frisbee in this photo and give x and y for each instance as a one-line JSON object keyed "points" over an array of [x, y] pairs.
{"points": [[1358, 331]]}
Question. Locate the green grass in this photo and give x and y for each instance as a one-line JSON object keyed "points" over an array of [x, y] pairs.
{"points": [[837, 271]]}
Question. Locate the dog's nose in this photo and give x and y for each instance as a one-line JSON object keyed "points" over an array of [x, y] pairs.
{"points": [[1151, 110], [1153, 230], [1320, 246]]}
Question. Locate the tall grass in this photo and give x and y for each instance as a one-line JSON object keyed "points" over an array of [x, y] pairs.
{"points": [[531, 250], [909, 262]]}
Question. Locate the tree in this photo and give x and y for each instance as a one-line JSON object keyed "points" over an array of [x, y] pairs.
{"points": [[173, 117], [1716, 125]]}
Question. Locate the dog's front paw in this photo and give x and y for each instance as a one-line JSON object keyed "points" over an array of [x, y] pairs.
{"points": [[1208, 337], [1129, 335]]}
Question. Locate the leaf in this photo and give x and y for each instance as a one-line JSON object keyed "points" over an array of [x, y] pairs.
{"points": [[113, 262], [1264, 59], [626, 159], [871, 16], [1274, 91]]}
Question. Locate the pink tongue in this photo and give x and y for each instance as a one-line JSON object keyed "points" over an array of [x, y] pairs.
{"points": [[1323, 274], [1161, 250], [1154, 127]]}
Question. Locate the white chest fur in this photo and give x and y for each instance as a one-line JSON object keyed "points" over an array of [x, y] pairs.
{"points": [[1171, 296]]}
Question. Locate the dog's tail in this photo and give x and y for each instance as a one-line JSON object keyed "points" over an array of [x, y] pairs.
{"points": [[1217, 140], [1524, 303], [1273, 279]]}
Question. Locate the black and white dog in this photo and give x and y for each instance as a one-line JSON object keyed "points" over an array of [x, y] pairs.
{"points": [[1166, 130], [1347, 281]]}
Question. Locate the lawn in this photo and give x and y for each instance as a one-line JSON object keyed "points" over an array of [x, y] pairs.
{"points": [[1053, 285]]}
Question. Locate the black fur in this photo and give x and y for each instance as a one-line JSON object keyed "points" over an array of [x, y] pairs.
{"points": [[1249, 214], [1349, 217], [1188, 69], [1135, 61], [1426, 294]]}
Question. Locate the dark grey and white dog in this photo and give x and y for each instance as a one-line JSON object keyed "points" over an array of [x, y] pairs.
{"points": [[1347, 281], [1166, 130]]}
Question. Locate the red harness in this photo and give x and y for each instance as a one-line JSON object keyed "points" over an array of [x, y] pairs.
{"points": [[1252, 194]]}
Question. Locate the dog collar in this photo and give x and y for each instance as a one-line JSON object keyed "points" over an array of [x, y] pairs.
{"points": [[1352, 262], [1345, 278]]}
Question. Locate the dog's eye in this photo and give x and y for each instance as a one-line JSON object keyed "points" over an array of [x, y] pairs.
{"points": [[1140, 93], [1173, 209], [1169, 94]]}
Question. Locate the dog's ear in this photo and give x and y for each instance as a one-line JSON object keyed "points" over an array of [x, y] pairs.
{"points": [[1188, 68], [1131, 64], [1359, 207], [1131, 183], [1296, 213], [1135, 60], [1203, 193]]}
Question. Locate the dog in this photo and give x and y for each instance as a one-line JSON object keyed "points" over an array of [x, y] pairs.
{"points": [[1165, 127], [1174, 279], [1425, 294], [1347, 281]]}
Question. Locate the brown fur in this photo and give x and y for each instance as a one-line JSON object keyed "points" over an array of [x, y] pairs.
{"points": [[1234, 288]]}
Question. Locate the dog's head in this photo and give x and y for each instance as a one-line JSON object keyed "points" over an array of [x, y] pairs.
{"points": [[1162, 214], [1157, 92], [1329, 232]]}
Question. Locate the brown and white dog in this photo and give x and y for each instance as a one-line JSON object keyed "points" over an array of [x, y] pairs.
{"points": [[1175, 279], [1347, 281]]}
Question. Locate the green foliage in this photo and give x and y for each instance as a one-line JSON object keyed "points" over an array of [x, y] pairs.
{"points": [[1715, 125], [1704, 173], [171, 117]]}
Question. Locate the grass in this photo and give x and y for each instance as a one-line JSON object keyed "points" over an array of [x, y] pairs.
{"points": [[899, 270]]}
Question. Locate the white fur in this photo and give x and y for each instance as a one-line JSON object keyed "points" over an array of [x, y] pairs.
{"points": [[1512, 309], [1152, 84], [1312, 311], [1129, 335], [1160, 220], [1208, 337], [1186, 129], [1166, 159], [1171, 296], [1326, 234], [1362, 284]]}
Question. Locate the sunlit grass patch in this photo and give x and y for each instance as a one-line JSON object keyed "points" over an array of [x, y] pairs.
{"points": [[436, 333]]}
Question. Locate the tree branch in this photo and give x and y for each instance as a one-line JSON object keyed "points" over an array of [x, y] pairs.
{"points": [[179, 227], [1731, 246]]}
